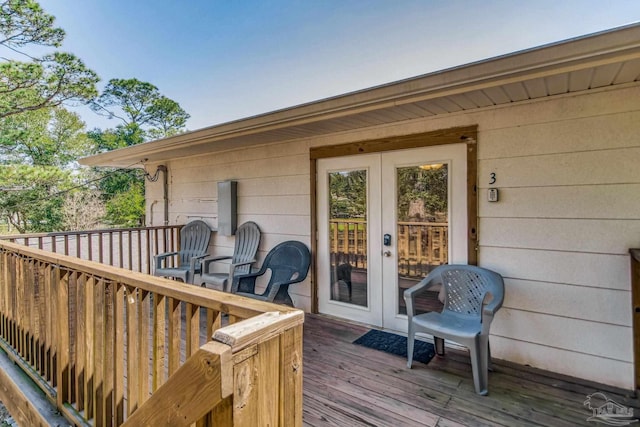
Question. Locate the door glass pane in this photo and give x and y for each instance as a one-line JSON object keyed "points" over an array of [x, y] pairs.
{"points": [[423, 229], [348, 236]]}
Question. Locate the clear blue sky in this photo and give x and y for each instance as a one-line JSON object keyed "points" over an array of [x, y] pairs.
{"points": [[225, 60]]}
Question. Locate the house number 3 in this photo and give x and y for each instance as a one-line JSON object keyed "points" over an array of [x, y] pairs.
{"points": [[492, 178]]}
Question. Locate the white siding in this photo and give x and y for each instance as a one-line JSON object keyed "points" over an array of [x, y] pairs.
{"points": [[569, 210], [569, 178], [273, 191]]}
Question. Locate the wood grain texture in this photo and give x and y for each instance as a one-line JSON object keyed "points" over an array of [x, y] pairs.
{"points": [[208, 373]]}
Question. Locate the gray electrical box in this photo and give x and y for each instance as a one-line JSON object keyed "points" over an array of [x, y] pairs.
{"points": [[227, 207]]}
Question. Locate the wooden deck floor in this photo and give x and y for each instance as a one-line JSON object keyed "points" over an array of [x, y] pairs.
{"points": [[349, 385]]}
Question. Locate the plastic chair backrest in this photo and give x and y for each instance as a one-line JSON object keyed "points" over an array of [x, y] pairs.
{"points": [[194, 240], [288, 261], [466, 287], [246, 245]]}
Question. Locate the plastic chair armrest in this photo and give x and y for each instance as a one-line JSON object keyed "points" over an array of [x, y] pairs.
{"points": [[411, 293], [158, 258], [211, 259]]}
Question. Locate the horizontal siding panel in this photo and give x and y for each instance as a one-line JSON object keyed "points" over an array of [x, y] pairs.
{"points": [[593, 202], [599, 236], [195, 206], [240, 156], [288, 205], [578, 302], [615, 166], [593, 368], [576, 268], [272, 186], [207, 192], [591, 133], [283, 166], [597, 339], [562, 108], [290, 225]]}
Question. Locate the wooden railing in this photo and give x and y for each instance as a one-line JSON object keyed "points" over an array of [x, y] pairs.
{"points": [[420, 245], [101, 342], [129, 248]]}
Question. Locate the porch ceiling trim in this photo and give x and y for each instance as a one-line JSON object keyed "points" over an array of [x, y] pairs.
{"points": [[588, 62]]}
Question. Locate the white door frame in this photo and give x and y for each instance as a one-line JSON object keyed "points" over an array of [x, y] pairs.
{"points": [[465, 134], [383, 294]]}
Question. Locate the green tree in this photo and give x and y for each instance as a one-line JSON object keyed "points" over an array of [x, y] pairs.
{"points": [[42, 82], [127, 209], [140, 105], [38, 151], [45, 137], [118, 186], [143, 113], [29, 196]]}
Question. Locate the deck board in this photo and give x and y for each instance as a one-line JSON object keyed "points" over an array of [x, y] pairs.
{"points": [[346, 384]]}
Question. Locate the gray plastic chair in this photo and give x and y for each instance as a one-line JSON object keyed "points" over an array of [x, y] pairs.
{"points": [[244, 254], [194, 241], [288, 263], [464, 319]]}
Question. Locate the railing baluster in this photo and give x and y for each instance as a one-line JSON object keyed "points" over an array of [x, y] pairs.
{"points": [[174, 326], [192, 329], [61, 289], [130, 250], [90, 340], [99, 353], [144, 333], [159, 341], [100, 249], [133, 348], [120, 250], [140, 251], [80, 342], [118, 354], [111, 254]]}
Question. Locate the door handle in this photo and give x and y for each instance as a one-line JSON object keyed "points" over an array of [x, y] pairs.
{"points": [[386, 253]]}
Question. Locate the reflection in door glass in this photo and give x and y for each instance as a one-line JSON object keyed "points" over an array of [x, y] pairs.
{"points": [[348, 236], [423, 229]]}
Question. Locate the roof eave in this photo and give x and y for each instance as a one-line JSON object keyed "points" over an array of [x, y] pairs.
{"points": [[606, 47]]}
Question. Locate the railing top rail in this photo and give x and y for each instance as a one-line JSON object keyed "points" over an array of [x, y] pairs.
{"points": [[81, 232], [258, 329], [229, 303]]}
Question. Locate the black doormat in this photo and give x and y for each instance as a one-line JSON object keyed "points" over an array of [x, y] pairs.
{"points": [[396, 344]]}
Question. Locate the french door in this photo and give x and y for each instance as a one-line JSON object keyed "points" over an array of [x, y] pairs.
{"points": [[384, 221]]}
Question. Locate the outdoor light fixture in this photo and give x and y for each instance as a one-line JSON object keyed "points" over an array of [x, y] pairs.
{"points": [[434, 166]]}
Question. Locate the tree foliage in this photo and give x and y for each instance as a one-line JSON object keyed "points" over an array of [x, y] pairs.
{"points": [[140, 105], [42, 82], [23, 22], [421, 194], [46, 137], [29, 196], [127, 209], [143, 113], [348, 193]]}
